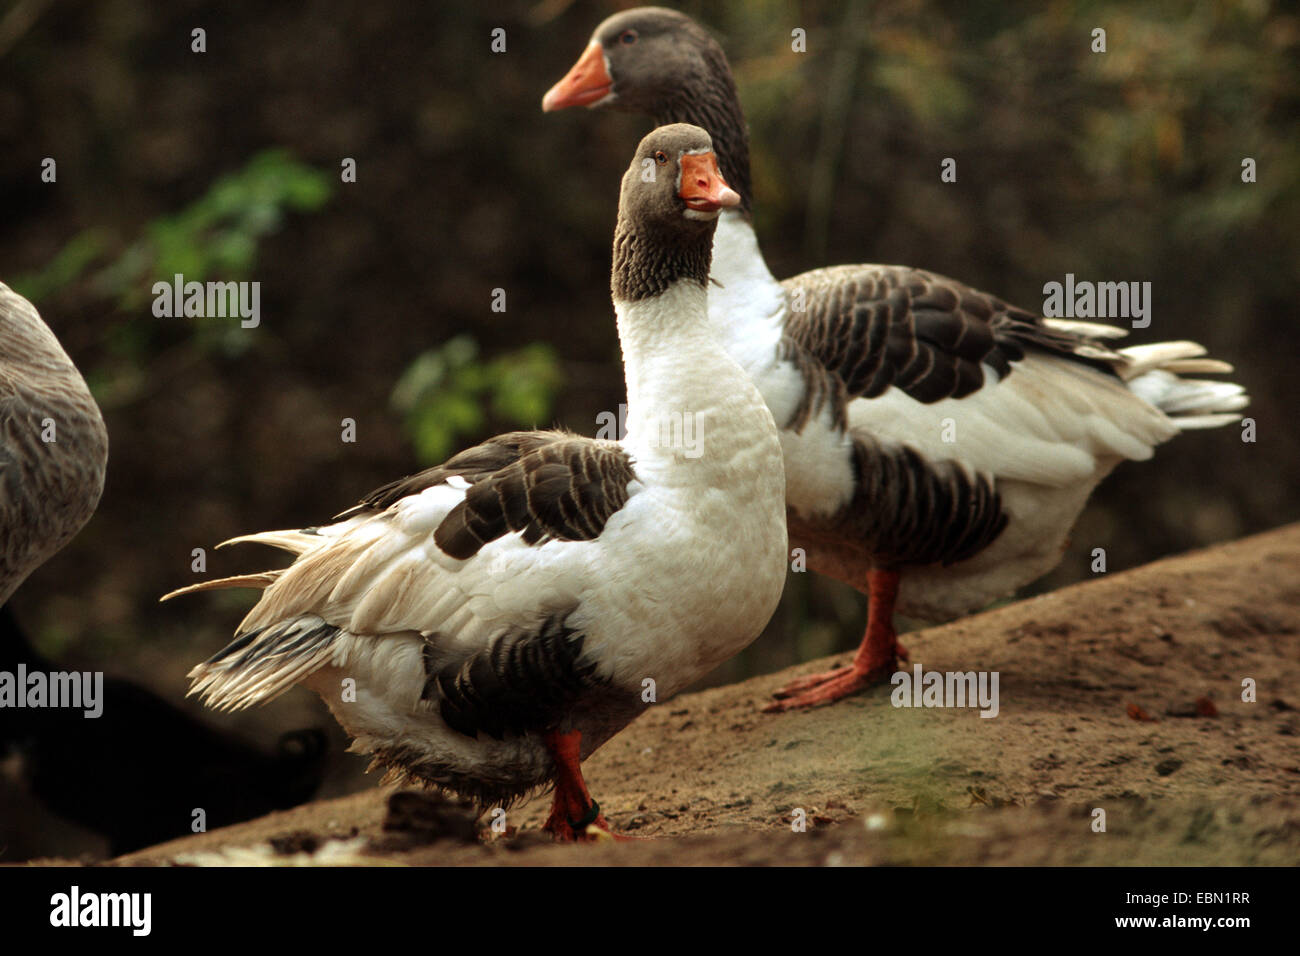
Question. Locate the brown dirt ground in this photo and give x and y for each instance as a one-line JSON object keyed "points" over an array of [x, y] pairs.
{"points": [[711, 780]]}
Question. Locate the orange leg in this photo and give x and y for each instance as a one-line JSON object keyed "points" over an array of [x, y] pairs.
{"points": [[573, 811], [876, 659]]}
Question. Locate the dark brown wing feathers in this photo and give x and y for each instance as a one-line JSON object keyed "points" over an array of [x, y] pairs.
{"points": [[548, 485], [866, 329], [874, 327], [906, 510], [521, 681]]}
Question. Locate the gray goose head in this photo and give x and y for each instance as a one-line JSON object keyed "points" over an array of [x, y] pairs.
{"points": [[662, 63], [48, 489], [671, 197]]}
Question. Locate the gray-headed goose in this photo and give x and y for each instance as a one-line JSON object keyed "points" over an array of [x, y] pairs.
{"points": [[500, 616], [53, 444], [939, 443]]}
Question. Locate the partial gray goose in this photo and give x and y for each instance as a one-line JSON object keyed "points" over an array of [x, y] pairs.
{"points": [[882, 364], [53, 444], [485, 625], [53, 457]]}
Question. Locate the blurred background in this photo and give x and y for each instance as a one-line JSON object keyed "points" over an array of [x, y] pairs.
{"points": [[376, 295]]}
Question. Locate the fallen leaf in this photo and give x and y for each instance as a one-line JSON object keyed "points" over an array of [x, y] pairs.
{"points": [[1137, 713]]}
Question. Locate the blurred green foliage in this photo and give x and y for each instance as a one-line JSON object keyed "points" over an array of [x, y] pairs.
{"points": [[442, 393], [216, 235], [447, 393], [65, 268]]}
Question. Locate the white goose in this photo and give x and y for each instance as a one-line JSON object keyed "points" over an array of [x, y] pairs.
{"points": [[53, 444], [501, 614], [939, 443]]}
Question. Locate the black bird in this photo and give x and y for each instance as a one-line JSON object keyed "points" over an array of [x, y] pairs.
{"points": [[137, 773]]}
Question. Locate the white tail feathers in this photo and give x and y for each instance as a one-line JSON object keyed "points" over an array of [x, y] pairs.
{"points": [[260, 579], [295, 542], [1139, 359], [1152, 373], [260, 665], [263, 661], [1091, 330]]}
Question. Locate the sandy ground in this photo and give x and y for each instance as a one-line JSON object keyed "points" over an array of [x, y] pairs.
{"points": [[1099, 689]]}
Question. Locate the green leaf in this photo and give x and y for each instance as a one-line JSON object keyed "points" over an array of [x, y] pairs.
{"points": [[444, 391]]}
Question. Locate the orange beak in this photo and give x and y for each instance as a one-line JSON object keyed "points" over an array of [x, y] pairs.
{"points": [[703, 187], [584, 84]]}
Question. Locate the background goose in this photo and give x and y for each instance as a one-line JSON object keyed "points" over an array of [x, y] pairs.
{"points": [[929, 429], [502, 613]]}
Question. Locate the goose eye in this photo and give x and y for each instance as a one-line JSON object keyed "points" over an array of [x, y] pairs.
{"points": [[661, 158], [628, 36]]}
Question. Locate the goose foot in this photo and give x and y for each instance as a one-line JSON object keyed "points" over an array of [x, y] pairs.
{"points": [[827, 687], [876, 659], [575, 816], [589, 828]]}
